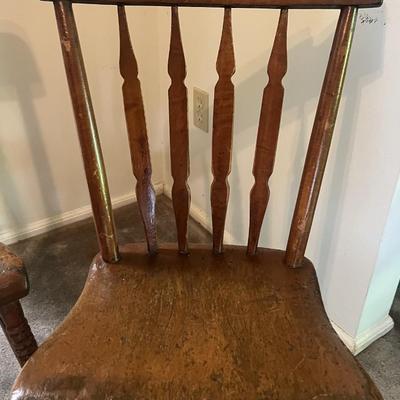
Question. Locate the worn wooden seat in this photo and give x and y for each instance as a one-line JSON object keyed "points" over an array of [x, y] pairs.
{"points": [[185, 321], [196, 327]]}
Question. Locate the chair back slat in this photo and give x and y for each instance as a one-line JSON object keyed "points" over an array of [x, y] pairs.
{"points": [[87, 131], [321, 137], [222, 132], [268, 130], [297, 4], [179, 135], [137, 133]]}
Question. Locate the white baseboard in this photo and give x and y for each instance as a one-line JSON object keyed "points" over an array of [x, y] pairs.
{"points": [[201, 217], [359, 343], [50, 223]]}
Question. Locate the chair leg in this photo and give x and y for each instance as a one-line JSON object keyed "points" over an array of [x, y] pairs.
{"points": [[17, 331]]}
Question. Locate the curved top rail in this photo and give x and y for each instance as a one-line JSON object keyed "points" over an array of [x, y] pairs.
{"points": [[238, 3]]}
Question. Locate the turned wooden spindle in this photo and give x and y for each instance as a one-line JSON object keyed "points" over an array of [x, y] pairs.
{"points": [[137, 133], [268, 130], [222, 132], [17, 331], [321, 138], [87, 131], [14, 286], [179, 135]]}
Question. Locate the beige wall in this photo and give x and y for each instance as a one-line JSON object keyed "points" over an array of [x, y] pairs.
{"points": [[40, 164]]}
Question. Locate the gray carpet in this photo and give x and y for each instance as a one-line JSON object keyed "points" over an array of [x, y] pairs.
{"points": [[58, 262]]}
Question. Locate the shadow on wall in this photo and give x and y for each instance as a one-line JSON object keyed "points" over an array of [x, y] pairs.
{"points": [[20, 82], [365, 66]]}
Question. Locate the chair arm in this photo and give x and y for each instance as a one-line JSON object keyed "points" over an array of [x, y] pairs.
{"points": [[13, 286], [13, 278]]}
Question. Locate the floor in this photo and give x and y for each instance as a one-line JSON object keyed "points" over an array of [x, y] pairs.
{"points": [[66, 254]]}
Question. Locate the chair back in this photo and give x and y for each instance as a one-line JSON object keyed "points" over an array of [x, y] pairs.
{"points": [[268, 130]]}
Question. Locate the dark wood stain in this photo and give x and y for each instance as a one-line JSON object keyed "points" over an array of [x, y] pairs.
{"points": [[321, 137], [137, 133], [179, 135], [240, 3], [268, 130], [196, 327], [222, 132], [14, 286], [87, 130]]}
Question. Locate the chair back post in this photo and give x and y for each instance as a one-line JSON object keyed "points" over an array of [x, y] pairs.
{"points": [[321, 137], [87, 131]]}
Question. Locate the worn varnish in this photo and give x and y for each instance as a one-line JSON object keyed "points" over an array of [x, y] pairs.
{"points": [[87, 130], [222, 132], [207, 324], [268, 130], [240, 3], [198, 327], [17, 331], [13, 287], [321, 138], [13, 278], [137, 133], [179, 135]]}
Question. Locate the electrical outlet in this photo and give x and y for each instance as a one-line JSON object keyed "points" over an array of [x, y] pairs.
{"points": [[200, 109]]}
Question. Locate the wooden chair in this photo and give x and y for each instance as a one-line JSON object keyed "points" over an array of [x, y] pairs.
{"points": [[187, 321]]}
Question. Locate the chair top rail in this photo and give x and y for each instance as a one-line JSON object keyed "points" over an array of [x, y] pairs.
{"points": [[238, 3]]}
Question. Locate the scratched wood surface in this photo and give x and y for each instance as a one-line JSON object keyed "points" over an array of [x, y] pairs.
{"points": [[321, 137], [92, 156], [137, 132], [222, 132], [240, 3], [196, 327], [179, 135], [268, 130]]}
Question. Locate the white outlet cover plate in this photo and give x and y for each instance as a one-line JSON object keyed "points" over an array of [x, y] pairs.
{"points": [[200, 109]]}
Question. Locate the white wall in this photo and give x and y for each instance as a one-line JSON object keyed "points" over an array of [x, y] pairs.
{"points": [[364, 164], [386, 276], [41, 171]]}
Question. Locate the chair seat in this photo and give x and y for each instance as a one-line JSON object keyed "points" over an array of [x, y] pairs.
{"points": [[196, 327]]}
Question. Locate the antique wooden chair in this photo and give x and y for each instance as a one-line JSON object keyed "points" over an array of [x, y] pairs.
{"points": [[187, 321]]}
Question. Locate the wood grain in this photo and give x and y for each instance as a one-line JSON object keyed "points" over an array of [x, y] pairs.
{"points": [[321, 138], [201, 327], [239, 3], [268, 130], [14, 286], [17, 331], [179, 135], [137, 133], [13, 278], [222, 132], [87, 131]]}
